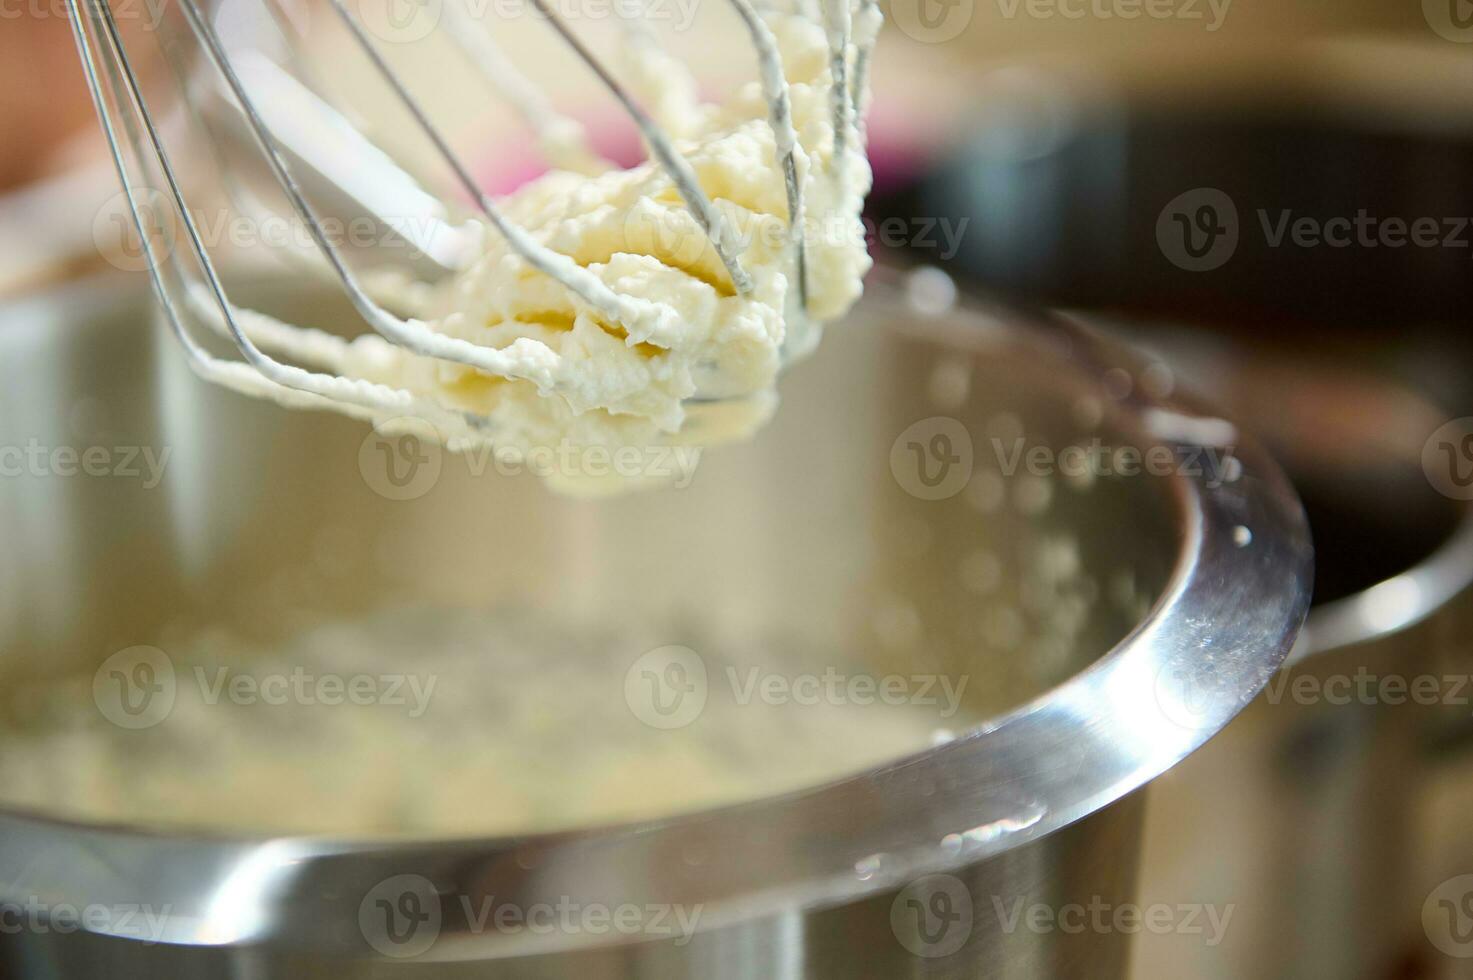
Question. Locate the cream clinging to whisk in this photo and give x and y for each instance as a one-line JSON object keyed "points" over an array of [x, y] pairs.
{"points": [[606, 307]]}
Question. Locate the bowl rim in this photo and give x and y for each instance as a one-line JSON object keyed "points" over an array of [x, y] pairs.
{"points": [[1394, 604], [1243, 556]]}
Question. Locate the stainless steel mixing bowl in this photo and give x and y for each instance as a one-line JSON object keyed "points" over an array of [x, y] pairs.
{"points": [[1128, 619], [1323, 843]]}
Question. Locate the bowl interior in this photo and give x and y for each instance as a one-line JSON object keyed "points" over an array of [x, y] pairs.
{"points": [[906, 538]]}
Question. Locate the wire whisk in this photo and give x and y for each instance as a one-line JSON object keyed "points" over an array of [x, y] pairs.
{"points": [[190, 286]]}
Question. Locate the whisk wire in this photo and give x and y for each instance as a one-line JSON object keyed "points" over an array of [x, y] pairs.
{"points": [[712, 221], [785, 138], [194, 296], [259, 374], [560, 139], [641, 319], [413, 335], [837, 21]]}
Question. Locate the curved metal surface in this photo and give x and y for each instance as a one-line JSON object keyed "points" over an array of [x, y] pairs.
{"points": [[1221, 628], [1394, 604], [1322, 845]]}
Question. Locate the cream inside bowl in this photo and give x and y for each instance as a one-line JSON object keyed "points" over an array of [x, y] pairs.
{"points": [[305, 699], [239, 619]]}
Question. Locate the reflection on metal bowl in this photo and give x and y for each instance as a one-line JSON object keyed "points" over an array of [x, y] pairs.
{"points": [[850, 522], [1319, 842]]}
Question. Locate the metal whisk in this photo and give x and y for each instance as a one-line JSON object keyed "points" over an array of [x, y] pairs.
{"points": [[195, 299]]}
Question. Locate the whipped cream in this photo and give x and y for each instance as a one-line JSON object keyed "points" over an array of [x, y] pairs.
{"points": [[668, 295]]}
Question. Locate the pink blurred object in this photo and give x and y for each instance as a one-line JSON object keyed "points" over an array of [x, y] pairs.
{"points": [[902, 143], [513, 163]]}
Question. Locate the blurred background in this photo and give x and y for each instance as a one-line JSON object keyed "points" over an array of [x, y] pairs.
{"points": [[1273, 198]]}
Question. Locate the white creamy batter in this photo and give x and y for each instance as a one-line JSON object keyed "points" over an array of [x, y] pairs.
{"points": [[645, 307], [468, 723]]}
